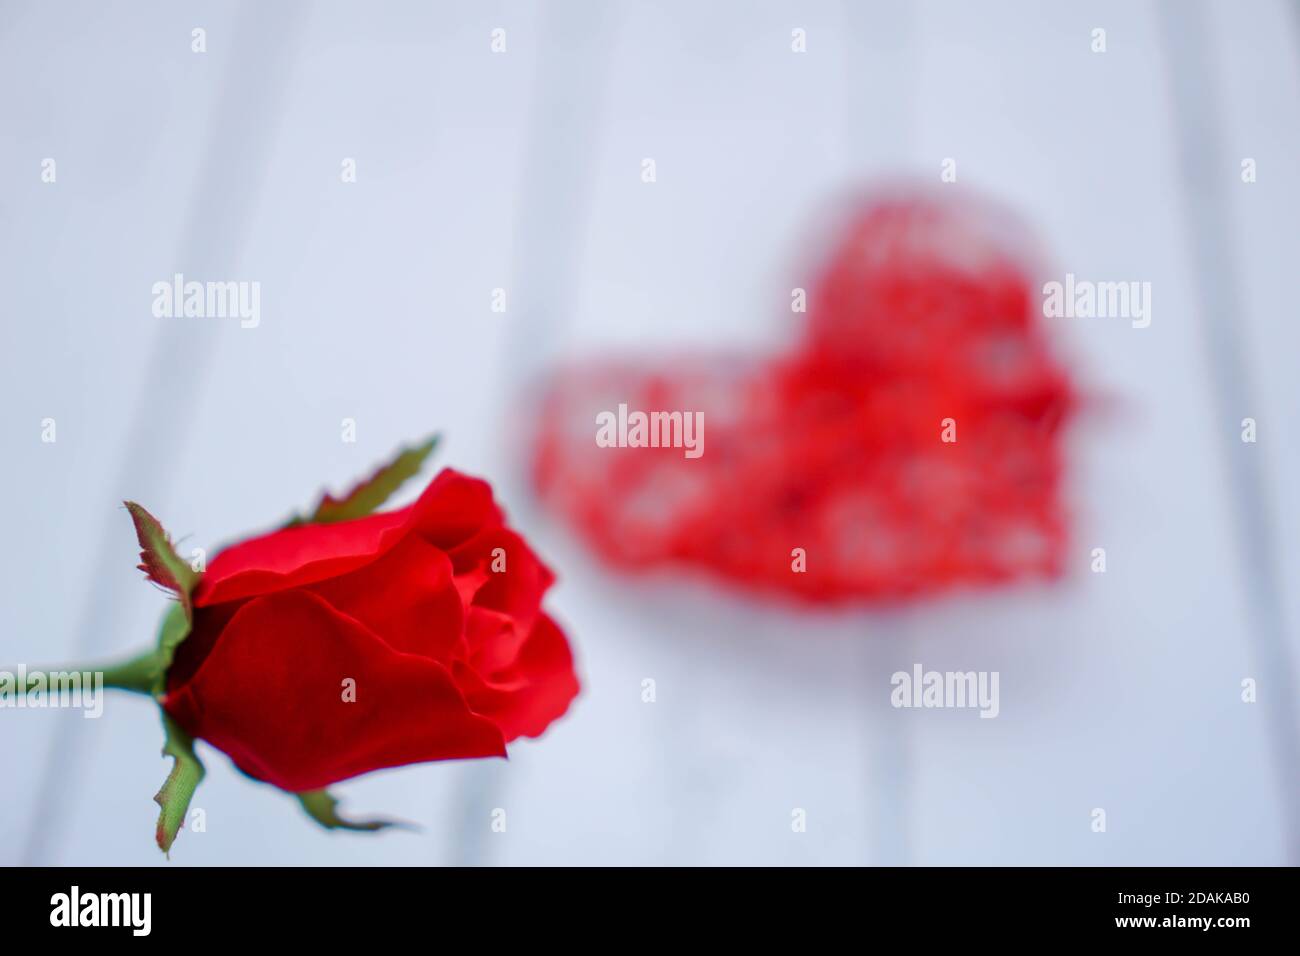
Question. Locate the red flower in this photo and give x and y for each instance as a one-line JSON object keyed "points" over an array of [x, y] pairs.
{"points": [[323, 651]]}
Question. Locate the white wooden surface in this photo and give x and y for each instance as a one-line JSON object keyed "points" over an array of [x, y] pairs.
{"points": [[521, 170]]}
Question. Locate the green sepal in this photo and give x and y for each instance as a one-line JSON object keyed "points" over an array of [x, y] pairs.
{"points": [[175, 628], [159, 560], [368, 496], [321, 806], [178, 789]]}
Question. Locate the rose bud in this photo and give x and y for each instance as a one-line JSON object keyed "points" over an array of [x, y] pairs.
{"points": [[351, 641]]}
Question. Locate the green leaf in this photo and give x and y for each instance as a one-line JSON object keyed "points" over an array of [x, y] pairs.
{"points": [[321, 807], [159, 560], [370, 495], [179, 787]]}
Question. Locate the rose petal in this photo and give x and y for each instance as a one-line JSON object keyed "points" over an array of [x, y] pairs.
{"points": [[451, 509], [492, 640], [292, 557], [270, 694], [407, 598], [537, 689], [517, 590], [454, 508], [209, 622]]}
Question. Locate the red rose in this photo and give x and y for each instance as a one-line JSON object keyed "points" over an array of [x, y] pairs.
{"points": [[323, 651], [348, 641]]}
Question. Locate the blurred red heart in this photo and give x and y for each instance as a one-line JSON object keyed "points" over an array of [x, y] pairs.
{"points": [[825, 473]]}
